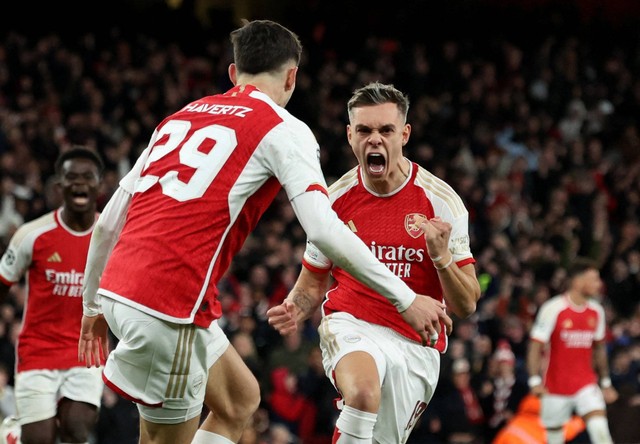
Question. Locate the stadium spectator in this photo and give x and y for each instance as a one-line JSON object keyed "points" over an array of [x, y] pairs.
{"points": [[458, 408], [502, 392], [526, 427]]}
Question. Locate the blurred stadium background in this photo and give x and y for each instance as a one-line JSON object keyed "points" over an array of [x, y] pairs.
{"points": [[529, 108]]}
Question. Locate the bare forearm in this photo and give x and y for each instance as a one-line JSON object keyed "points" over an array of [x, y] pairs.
{"points": [[308, 292], [600, 360], [534, 357], [461, 289], [306, 301]]}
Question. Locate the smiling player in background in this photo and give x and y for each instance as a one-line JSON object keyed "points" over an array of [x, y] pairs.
{"points": [[57, 397]]}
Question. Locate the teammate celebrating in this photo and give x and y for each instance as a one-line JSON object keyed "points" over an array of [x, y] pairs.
{"points": [[373, 357], [57, 397], [572, 327], [172, 228]]}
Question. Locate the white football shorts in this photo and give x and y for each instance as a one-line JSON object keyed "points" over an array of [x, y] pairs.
{"points": [[555, 410], [160, 365], [38, 391], [408, 371]]}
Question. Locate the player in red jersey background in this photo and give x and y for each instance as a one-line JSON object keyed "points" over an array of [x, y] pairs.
{"points": [[57, 397], [376, 361], [570, 328], [173, 226]]}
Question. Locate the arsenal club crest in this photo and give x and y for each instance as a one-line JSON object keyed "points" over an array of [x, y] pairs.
{"points": [[410, 224]]}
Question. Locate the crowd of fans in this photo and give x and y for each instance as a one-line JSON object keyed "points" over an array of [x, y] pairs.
{"points": [[542, 141]]}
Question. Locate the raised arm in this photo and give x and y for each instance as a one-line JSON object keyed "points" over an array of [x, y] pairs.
{"points": [[460, 285]]}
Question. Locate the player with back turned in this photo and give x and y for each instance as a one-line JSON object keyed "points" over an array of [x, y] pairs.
{"points": [[175, 223]]}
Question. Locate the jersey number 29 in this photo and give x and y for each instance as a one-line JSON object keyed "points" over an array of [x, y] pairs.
{"points": [[206, 165]]}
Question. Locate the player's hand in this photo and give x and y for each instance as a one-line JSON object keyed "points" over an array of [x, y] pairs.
{"points": [[93, 343], [610, 395], [283, 317], [424, 316], [436, 235], [538, 390]]}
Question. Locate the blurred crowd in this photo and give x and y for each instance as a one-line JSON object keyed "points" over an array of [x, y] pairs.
{"points": [[542, 141]]}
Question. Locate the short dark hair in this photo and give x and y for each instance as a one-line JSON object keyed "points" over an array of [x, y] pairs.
{"points": [[78, 152], [264, 46], [579, 265], [376, 93]]}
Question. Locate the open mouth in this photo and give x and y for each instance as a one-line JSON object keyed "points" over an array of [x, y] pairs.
{"points": [[376, 163], [80, 197]]}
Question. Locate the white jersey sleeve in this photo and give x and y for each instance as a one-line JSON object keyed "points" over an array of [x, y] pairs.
{"points": [[314, 257], [107, 230], [103, 239], [294, 157], [545, 321], [17, 257], [132, 182], [459, 242], [449, 206]]}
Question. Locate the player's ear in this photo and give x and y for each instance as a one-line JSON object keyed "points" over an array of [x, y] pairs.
{"points": [[406, 132], [290, 81], [233, 73]]}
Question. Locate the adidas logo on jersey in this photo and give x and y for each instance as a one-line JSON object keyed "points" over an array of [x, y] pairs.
{"points": [[55, 257]]}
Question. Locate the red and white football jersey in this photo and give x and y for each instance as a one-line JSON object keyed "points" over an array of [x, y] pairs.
{"points": [[386, 224], [570, 330], [53, 258], [199, 189]]}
